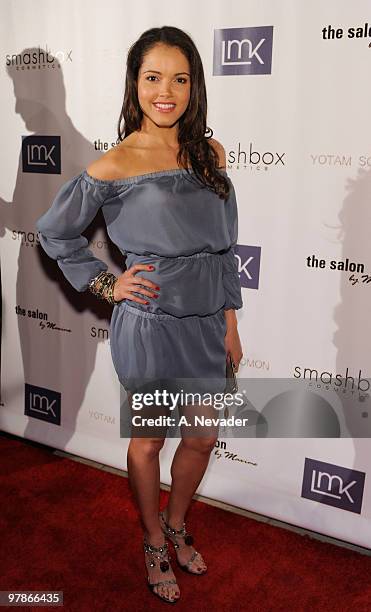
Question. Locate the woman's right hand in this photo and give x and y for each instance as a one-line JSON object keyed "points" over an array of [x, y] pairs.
{"points": [[127, 283]]}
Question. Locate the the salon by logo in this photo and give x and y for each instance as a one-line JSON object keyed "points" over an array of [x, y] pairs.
{"points": [[38, 58], [248, 258], [222, 452], [40, 317], [43, 404], [243, 51], [333, 485], [41, 154]]}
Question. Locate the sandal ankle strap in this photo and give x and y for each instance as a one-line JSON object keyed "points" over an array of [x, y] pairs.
{"points": [[155, 549], [182, 532], [159, 552]]}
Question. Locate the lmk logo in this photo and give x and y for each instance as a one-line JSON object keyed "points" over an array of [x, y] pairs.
{"points": [[333, 485], [43, 404], [243, 51], [248, 258], [41, 154]]}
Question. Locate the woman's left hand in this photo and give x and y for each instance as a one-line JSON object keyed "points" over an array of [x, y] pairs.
{"points": [[232, 345]]}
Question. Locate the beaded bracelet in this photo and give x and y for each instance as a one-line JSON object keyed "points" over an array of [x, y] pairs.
{"points": [[102, 282], [102, 286]]}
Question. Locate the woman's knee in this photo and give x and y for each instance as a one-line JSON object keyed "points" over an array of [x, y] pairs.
{"points": [[201, 444], [146, 447]]}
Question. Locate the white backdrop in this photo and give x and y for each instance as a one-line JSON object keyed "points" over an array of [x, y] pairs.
{"points": [[306, 116]]}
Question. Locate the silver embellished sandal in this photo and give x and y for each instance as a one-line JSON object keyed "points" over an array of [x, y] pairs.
{"points": [[161, 553], [173, 535]]}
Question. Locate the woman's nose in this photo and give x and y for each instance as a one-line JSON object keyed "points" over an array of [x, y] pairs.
{"points": [[165, 88]]}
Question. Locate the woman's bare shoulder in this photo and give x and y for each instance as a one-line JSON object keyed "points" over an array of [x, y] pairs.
{"points": [[117, 163]]}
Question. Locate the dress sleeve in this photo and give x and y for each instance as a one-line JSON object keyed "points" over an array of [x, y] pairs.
{"points": [[231, 279], [72, 210]]}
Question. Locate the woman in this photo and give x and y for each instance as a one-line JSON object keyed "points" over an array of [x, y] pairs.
{"points": [[171, 209]]}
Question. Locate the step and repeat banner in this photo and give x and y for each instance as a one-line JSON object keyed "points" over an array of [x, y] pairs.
{"points": [[289, 98]]}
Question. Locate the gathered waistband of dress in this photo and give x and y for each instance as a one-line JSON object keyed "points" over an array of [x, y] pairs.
{"points": [[160, 316], [192, 256]]}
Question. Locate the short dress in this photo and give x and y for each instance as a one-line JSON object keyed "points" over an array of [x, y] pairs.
{"points": [[187, 232]]}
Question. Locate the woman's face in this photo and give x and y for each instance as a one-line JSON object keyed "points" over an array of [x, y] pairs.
{"points": [[164, 79]]}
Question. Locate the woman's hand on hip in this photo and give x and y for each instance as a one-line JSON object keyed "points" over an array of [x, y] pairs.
{"points": [[128, 282]]}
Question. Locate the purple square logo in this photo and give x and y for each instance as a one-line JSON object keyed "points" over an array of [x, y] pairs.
{"points": [[243, 51], [43, 404], [333, 485], [248, 258], [41, 154]]}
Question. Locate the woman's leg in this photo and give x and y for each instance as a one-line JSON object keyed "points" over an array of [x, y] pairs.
{"points": [[187, 470], [144, 478]]}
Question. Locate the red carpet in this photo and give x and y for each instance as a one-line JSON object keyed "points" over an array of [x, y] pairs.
{"points": [[67, 526]]}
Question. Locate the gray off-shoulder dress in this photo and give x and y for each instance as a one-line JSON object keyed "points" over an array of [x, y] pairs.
{"points": [[187, 232]]}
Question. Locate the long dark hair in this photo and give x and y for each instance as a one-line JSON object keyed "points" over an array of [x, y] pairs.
{"points": [[194, 148]]}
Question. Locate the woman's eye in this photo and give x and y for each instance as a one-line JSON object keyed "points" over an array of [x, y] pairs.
{"points": [[152, 76]]}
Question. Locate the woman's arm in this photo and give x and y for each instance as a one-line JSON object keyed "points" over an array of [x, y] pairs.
{"points": [[233, 287], [60, 231]]}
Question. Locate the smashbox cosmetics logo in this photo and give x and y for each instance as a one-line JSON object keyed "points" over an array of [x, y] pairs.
{"points": [[41, 154], [248, 258], [333, 485], [38, 58], [255, 157], [243, 51]]}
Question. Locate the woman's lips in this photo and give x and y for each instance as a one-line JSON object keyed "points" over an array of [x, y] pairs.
{"points": [[164, 108]]}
